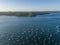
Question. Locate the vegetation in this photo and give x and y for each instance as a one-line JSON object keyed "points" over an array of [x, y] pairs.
{"points": [[25, 13]]}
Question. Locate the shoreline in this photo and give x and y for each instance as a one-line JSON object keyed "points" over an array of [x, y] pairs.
{"points": [[27, 13]]}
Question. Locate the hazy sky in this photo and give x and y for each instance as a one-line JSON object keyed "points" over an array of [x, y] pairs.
{"points": [[29, 5]]}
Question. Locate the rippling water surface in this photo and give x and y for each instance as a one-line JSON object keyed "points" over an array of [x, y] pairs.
{"points": [[39, 30]]}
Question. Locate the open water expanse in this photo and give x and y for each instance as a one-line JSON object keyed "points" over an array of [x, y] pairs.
{"points": [[38, 30]]}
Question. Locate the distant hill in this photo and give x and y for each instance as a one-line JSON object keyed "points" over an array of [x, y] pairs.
{"points": [[27, 13]]}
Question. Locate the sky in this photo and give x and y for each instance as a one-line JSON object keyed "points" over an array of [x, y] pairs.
{"points": [[29, 5]]}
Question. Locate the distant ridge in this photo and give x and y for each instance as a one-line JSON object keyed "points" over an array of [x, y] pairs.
{"points": [[27, 13]]}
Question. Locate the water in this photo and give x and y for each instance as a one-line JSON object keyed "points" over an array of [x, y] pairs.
{"points": [[39, 30]]}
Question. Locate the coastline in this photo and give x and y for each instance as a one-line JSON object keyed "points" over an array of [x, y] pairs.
{"points": [[27, 13]]}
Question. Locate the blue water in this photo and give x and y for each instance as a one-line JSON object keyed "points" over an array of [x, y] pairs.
{"points": [[38, 30]]}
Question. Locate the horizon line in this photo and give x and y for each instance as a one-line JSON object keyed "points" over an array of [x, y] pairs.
{"points": [[23, 11]]}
